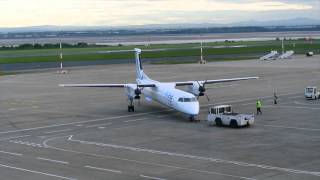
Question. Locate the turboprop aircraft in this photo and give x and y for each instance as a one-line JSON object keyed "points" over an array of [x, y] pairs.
{"points": [[163, 92]]}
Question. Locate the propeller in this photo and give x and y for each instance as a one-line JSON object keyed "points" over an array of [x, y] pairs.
{"points": [[202, 90]]}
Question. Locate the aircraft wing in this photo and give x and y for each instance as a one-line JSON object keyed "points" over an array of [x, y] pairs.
{"points": [[214, 81], [106, 85]]}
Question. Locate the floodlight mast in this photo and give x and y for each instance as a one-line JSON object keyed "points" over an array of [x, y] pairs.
{"points": [[282, 45], [201, 52], [202, 61], [61, 57]]}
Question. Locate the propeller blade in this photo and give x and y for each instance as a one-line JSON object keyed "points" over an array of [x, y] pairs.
{"points": [[207, 97]]}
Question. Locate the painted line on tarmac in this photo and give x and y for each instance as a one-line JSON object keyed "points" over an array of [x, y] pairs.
{"points": [[126, 116], [45, 143], [99, 125], [81, 122], [11, 153], [246, 104], [16, 137], [52, 160], [36, 172], [134, 120], [58, 131], [51, 135], [294, 107], [103, 169], [305, 104], [27, 143], [150, 177], [215, 160], [289, 127]]}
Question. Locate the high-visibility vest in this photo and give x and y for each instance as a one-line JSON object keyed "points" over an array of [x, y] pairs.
{"points": [[259, 104]]}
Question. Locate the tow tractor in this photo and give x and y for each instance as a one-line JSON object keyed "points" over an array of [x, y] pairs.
{"points": [[223, 115], [311, 93]]}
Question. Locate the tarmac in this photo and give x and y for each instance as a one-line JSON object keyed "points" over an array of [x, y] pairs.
{"points": [[50, 132]]}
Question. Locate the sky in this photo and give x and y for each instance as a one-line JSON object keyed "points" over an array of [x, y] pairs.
{"points": [[19, 13]]}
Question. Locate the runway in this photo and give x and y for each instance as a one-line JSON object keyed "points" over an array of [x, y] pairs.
{"points": [[50, 132]]}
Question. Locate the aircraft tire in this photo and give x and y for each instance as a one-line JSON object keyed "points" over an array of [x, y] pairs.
{"points": [[130, 108]]}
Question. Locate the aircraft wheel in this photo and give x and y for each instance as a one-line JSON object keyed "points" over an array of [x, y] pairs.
{"points": [[130, 108]]}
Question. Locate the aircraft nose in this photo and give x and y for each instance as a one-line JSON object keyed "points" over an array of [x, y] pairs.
{"points": [[194, 108]]}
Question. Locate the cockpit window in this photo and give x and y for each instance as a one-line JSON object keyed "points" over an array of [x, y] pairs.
{"points": [[187, 99]]}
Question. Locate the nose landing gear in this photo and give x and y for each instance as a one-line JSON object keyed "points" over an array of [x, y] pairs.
{"points": [[192, 118], [131, 106]]}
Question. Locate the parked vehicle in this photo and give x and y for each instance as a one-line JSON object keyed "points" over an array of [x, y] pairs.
{"points": [[224, 115], [311, 93], [309, 54]]}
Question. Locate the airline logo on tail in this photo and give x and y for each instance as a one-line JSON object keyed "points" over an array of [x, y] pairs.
{"points": [[139, 69]]}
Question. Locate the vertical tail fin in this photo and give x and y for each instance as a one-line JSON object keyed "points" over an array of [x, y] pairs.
{"points": [[139, 69]]}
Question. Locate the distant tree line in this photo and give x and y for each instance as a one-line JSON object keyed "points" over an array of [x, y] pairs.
{"points": [[28, 46], [125, 32]]}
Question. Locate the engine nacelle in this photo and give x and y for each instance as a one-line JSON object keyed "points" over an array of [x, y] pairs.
{"points": [[194, 89], [197, 88], [130, 91], [133, 92]]}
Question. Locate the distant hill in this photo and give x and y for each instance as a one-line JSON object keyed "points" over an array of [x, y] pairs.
{"points": [[287, 22], [49, 28]]}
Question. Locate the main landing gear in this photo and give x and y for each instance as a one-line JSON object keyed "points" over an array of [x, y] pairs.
{"points": [[131, 106]]}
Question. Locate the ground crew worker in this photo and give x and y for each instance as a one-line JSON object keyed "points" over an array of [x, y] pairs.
{"points": [[259, 105], [275, 98]]}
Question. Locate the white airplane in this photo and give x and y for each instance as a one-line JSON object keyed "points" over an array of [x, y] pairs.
{"points": [[163, 92]]}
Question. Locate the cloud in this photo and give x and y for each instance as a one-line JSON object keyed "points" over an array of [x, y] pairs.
{"points": [[133, 12]]}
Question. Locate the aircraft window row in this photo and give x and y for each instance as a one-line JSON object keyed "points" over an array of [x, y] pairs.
{"points": [[187, 99]]}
